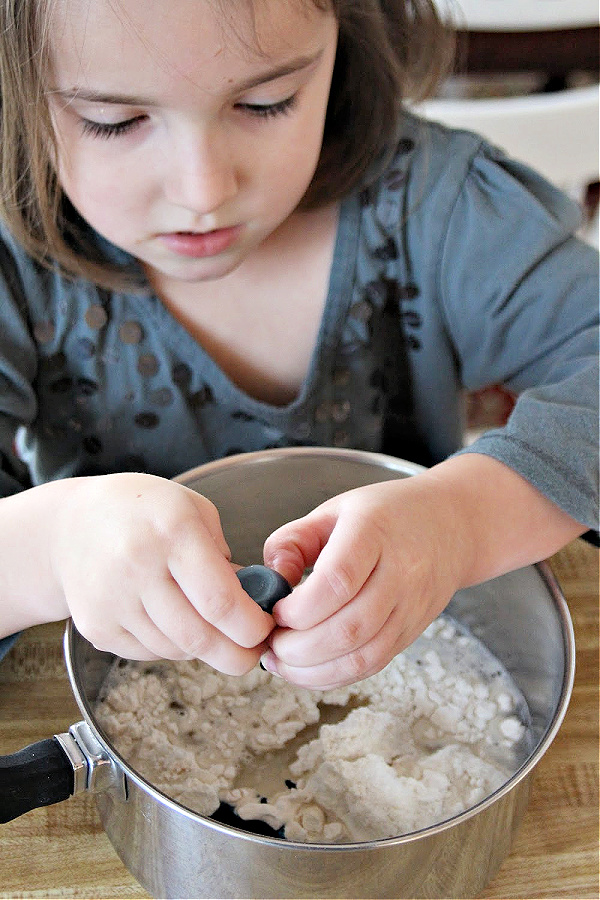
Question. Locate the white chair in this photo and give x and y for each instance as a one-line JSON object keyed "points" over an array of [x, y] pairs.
{"points": [[555, 132], [520, 15]]}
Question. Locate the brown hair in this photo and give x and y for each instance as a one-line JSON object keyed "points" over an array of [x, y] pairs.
{"points": [[388, 51]]}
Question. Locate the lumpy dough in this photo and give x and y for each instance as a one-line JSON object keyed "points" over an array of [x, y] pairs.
{"points": [[432, 734]]}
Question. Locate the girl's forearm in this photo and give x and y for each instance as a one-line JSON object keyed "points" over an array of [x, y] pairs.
{"points": [[495, 521], [501, 521], [29, 593]]}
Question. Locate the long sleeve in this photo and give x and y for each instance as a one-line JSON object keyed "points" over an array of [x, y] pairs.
{"points": [[520, 299], [18, 364]]}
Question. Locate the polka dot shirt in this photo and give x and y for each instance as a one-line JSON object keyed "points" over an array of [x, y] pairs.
{"points": [[424, 300]]}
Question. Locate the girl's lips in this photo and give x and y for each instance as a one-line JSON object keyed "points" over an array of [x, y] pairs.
{"points": [[194, 244]]}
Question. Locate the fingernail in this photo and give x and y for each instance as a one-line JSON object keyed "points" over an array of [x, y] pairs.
{"points": [[267, 662]]}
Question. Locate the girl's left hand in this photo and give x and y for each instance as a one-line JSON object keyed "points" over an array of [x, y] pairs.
{"points": [[386, 560]]}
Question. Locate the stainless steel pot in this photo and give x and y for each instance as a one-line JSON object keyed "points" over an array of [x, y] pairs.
{"points": [[173, 852]]}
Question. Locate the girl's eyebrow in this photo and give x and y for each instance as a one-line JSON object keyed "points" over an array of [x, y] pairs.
{"points": [[294, 65], [90, 96]]}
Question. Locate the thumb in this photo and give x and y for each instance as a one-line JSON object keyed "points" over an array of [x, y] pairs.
{"points": [[296, 545], [343, 554]]}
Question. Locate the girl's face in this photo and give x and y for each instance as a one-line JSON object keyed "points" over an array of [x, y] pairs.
{"points": [[183, 139]]}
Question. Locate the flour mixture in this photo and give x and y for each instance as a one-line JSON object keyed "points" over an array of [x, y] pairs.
{"points": [[439, 729]]}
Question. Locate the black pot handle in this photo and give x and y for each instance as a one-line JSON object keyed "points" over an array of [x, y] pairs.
{"points": [[43, 773], [38, 775]]}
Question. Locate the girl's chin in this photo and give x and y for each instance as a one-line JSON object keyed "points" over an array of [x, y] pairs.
{"points": [[192, 270], [165, 262]]}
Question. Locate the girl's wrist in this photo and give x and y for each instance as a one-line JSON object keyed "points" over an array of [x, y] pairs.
{"points": [[500, 521], [29, 592]]}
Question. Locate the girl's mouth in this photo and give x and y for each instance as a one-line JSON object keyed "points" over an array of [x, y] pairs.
{"points": [[198, 245]]}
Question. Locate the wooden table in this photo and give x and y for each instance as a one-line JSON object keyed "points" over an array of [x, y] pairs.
{"points": [[61, 850]]}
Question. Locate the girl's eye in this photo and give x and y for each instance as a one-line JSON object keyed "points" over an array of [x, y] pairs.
{"points": [[110, 129], [269, 110], [117, 129]]}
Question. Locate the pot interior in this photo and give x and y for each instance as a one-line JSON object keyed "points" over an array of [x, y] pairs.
{"points": [[521, 617]]}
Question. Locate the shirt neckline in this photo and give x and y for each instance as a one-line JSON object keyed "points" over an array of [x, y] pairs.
{"points": [[339, 292]]}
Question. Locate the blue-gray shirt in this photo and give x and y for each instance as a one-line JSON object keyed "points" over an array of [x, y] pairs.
{"points": [[456, 268]]}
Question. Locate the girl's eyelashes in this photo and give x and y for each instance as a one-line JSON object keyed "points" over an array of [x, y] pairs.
{"points": [[110, 129], [269, 110], [116, 129]]}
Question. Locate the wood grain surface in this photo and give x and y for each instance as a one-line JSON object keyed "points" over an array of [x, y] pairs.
{"points": [[62, 851]]}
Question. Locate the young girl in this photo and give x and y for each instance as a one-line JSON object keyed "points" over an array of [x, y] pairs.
{"points": [[222, 232]]}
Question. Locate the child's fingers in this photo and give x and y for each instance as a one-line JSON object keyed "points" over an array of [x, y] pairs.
{"points": [[344, 565], [211, 520], [146, 642], [208, 581], [360, 663], [142, 641], [354, 625], [123, 643], [190, 636], [296, 546], [166, 626], [145, 636]]}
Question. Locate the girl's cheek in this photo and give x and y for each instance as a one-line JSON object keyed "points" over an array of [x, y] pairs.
{"points": [[94, 176]]}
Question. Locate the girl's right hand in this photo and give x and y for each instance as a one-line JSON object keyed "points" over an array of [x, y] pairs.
{"points": [[144, 570]]}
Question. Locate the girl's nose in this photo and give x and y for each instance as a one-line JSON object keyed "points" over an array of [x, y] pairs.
{"points": [[202, 173]]}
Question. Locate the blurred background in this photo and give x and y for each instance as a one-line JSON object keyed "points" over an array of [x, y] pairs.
{"points": [[526, 76]]}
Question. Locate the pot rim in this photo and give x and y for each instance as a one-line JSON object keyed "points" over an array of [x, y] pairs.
{"points": [[394, 464]]}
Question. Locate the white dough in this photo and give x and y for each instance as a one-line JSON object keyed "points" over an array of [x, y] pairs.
{"points": [[438, 730]]}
